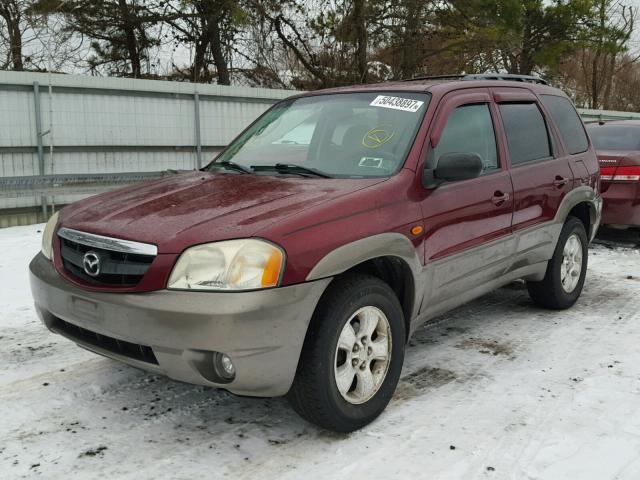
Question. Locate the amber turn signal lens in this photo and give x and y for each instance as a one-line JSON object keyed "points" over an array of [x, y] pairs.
{"points": [[417, 230], [271, 273]]}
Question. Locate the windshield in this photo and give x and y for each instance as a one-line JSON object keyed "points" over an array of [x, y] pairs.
{"points": [[615, 137], [350, 135]]}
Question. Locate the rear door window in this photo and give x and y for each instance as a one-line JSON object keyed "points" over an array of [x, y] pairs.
{"points": [[526, 131], [568, 122], [469, 129]]}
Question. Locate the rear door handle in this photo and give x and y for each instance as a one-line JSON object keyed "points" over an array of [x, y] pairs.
{"points": [[560, 181], [499, 198]]}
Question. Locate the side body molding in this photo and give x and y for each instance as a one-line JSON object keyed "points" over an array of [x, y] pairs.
{"points": [[351, 254], [578, 195]]}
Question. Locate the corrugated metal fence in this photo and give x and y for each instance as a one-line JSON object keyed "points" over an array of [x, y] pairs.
{"points": [[63, 137], [587, 115]]}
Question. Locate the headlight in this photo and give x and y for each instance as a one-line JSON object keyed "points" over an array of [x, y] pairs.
{"points": [[230, 265], [47, 236]]}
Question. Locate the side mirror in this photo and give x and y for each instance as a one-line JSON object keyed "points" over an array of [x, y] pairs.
{"points": [[454, 167]]}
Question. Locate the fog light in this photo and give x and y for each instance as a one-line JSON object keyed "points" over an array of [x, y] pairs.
{"points": [[224, 366]]}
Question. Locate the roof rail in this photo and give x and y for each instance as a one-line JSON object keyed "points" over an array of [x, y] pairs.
{"points": [[506, 76], [436, 77], [485, 76]]}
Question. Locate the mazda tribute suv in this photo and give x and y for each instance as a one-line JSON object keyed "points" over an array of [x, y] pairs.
{"points": [[300, 261]]}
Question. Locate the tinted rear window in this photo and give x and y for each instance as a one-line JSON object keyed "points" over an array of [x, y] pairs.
{"points": [[568, 122], [526, 131], [615, 137]]}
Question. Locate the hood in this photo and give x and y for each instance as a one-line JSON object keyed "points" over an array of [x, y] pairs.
{"points": [[198, 207]]}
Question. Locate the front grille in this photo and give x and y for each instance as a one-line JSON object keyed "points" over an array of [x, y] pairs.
{"points": [[117, 269], [135, 351]]}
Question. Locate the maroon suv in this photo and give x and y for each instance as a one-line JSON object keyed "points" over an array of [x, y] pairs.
{"points": [[302, 259]]}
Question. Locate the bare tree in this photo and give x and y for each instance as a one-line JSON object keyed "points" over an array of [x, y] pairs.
{"points": [[602, 58], [11, 12], [211, 27], [309, 44], [120, 32]]}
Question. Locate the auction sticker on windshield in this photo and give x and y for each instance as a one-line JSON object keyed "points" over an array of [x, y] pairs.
{"points": [[397, 103]]}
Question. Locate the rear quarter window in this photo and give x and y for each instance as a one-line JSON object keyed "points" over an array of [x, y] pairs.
{"points": [[568, 122]]}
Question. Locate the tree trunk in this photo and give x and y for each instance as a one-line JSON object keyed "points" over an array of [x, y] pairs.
{"points": [[595, 70], [199, 67], [215, 41], [15, 44], [609, 73], [595, 84], [359, 18], [10, 12], [525, 65], [130, 38], [408, 58]]}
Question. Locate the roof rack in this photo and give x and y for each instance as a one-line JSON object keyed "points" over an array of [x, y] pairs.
{"points": [[484, 76], [435, 77]]}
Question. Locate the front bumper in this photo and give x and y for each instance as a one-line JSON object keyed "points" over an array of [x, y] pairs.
{"points": [[261, 331]]}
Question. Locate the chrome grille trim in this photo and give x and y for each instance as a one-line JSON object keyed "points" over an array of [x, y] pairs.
{"points": [[107, 243]]}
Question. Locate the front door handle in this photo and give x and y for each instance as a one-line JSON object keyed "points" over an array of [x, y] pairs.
{"points": [[499, 198], [560, 181]]}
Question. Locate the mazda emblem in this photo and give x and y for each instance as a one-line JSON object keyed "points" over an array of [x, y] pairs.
{"points": [[91, 264]]}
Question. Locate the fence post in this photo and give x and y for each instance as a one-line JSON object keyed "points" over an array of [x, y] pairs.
{"points": [[196, 105], [38, 115], [36, 101]]}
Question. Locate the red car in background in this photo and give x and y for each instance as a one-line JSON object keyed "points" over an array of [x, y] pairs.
{"points": [[617, 144]]}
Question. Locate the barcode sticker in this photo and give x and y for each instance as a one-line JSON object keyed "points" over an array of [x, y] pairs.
{"points": [[397, 103]]}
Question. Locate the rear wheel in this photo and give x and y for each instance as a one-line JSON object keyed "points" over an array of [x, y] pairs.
{"points": [[566, 270], [352, 356]]}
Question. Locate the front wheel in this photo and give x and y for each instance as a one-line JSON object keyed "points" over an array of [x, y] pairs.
{"points": [[352, 356], [566, 271]]}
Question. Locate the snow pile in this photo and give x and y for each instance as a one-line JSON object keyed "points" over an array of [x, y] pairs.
{"points": [[496, 389]]}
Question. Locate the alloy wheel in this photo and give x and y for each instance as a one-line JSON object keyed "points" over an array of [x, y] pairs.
{"points": [[363, 355], [571, 267]]}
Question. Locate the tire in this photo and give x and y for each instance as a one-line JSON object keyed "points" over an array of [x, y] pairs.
{"points": [[357, 300], [552, 292]]}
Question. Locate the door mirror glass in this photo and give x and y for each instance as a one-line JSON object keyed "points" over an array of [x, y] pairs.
{"points": [[453, 167]]}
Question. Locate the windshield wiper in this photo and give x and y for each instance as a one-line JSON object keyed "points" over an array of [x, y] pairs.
{"points": [[234, 166], [288, 168]]}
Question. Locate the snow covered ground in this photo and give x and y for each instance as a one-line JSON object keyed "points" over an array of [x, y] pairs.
{"points": [[496, 389]]}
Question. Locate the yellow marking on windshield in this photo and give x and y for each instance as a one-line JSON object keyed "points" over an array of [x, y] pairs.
{"points": [[376, 137]]}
